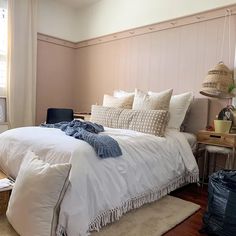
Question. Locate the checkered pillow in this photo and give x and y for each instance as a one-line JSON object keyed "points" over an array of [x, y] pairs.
{"points": [[145, 121]]}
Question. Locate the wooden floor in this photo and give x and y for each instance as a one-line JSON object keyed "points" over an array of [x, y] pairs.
{"points": [[190, 226]]}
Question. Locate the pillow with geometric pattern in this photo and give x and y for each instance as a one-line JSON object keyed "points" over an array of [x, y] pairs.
{"points": [[145, 121]]}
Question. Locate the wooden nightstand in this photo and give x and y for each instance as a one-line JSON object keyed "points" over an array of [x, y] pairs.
{"points": [[84, 116], [4, 195], [217, 139], [223, 143]]}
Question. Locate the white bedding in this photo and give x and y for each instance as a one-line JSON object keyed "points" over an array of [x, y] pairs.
{"points": [[149, 168], [192, 140]]}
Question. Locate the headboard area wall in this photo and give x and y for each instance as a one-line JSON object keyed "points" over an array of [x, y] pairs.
{"points": [[173, 54], [178, 56]]}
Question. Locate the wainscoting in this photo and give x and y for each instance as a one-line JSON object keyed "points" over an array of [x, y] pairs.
{"points": [[176, 58], [174, 54], [55, 77]]}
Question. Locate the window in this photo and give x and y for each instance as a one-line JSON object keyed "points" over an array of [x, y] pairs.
{"points": [[3, 45]]}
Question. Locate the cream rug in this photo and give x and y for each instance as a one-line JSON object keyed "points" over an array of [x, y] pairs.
{"points": [[150, 220]]}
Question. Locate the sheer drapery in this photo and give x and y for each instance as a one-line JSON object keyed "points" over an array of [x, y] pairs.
{"points": [[22, 51], [3, 47]]}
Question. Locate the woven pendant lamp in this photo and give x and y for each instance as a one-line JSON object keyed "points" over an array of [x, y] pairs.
{"points": [[218, 82]]}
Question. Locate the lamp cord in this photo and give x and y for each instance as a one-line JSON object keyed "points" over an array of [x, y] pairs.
{"points": [[227, 13]]}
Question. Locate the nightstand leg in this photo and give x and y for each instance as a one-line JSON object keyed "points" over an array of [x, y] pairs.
{"points": [[197, 154], [228, 162], [214, 156], [204, 168], [197, 160], [233, 160]]}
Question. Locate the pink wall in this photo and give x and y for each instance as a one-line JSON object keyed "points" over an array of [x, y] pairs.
{"points": [[175, 57], [55, 77]]}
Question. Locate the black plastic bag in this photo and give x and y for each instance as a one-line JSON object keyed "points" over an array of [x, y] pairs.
{"points": [[220, 218]]}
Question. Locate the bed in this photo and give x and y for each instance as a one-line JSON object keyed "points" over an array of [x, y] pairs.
{"points": [[102, 190]]}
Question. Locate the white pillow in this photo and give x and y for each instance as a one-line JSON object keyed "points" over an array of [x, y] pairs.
{"points": [[152, 101], [179, 105], [121, 93], [36, 196], [122, 102]]}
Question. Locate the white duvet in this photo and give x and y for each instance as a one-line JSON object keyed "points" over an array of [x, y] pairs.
{"points": [[101, 190]]}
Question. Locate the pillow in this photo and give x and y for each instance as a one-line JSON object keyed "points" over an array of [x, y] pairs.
{"points": [[145, 121], [34, 203], [121, 93], [154, 101], [179, 105], [184, 124], [106, 116], [122, 102]]}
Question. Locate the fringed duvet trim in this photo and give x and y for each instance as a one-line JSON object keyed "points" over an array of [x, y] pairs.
{"points": [[110, 216]]}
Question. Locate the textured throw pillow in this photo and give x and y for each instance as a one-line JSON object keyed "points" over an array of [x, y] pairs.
{"points": [[122, 102], [34, 203], [179, 105], [121, 93], [106, 116], [153, 101], [145, 121]]}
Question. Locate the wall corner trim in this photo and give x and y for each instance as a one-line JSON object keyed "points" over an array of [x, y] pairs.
{"points": [[55, 40]]}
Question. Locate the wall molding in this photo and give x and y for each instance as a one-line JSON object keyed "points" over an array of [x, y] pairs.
{"points": [[173, 23], [55, 40]]}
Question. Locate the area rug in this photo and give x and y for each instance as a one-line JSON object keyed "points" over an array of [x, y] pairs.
{"points": [[5, 227], [150, 220]]}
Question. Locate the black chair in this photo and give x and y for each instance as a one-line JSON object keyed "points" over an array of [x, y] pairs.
{"points": [[55, 115]]}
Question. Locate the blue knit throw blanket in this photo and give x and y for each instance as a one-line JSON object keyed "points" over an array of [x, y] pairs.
{"points": [[104, 145]]}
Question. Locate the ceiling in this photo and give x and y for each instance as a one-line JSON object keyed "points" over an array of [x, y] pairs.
{"points": [[78, 3]]}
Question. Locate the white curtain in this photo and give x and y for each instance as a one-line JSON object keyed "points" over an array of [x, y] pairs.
{"points": [[3, 46], [22, 52]]}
